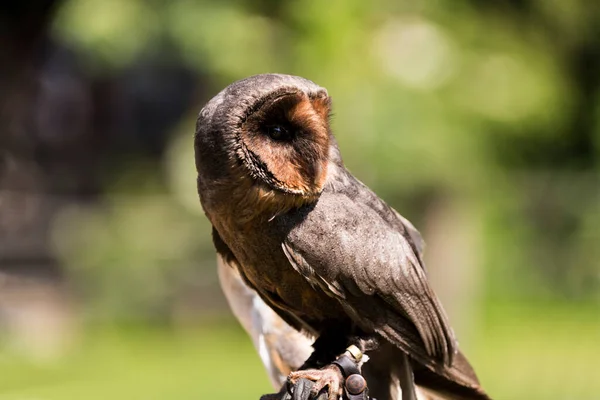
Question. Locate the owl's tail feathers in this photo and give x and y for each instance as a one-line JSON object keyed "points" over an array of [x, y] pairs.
{"points": [[457, 382]]}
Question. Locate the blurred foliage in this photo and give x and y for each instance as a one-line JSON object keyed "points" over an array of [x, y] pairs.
{"points": [[494, 106], [441, 98], [141, 362]]}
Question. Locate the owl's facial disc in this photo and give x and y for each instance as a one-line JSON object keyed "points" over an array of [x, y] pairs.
{"points": [[285, 142]]}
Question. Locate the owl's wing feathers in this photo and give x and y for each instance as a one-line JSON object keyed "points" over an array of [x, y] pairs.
{"points": [[349, 250]]}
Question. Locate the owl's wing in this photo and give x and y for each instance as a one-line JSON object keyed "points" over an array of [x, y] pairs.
{"points": [[362, 254]]}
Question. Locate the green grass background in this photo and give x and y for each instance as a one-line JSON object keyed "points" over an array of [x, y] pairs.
{"points": [[519, 353]]}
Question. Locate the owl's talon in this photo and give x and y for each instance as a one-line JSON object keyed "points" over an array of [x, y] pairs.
{"points": [[329, 377]]}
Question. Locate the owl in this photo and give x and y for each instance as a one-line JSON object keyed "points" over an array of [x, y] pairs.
{"points": [[317, 246]]}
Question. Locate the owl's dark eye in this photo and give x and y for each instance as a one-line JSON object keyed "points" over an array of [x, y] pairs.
{"points": [[278, 132]]}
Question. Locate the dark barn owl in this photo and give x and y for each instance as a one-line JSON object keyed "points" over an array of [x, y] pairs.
{"points": [[318, 246]]}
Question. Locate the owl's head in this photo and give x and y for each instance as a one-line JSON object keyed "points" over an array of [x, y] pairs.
{"points": [[272, 129]]}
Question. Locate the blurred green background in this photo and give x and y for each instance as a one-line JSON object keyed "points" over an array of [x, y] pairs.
{"points": [[479, 121]]}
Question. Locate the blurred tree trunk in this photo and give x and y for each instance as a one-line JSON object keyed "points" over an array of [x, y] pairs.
{"points": [[23, 28], [32, 310], [453, 258]]}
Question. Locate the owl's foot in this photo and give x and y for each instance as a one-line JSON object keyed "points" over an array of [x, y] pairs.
{"points": [[329, 376]]}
